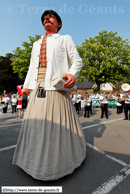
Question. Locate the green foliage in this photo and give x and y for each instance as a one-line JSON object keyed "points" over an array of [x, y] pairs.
{"points": [[21, 59], [126, 80], [106, 58], [9, 55]]}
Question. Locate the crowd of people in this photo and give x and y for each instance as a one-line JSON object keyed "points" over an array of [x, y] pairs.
{"points": [[17, 101], [122, 101]]}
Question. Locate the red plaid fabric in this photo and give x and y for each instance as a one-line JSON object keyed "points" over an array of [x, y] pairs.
{"points": [[43, 59]]}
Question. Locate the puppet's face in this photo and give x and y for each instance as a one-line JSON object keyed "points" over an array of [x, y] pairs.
{"points": [[50, 23]]}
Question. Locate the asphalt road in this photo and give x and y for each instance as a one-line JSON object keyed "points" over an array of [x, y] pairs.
{"points": [[106, 168]]}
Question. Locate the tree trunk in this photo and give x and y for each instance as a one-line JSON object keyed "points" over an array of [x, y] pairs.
{"points": [[98, 86]]}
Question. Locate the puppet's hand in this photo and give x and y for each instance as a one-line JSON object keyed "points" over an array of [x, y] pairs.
{"points": [[70, 80], [25, 90]]}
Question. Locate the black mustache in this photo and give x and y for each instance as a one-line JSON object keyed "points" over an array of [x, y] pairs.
{"points": [[47, 20]]}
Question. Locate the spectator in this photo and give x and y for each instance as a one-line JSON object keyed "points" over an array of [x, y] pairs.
{"points": [[13, 103], [5, 101], [19, 105], [4, 107]]}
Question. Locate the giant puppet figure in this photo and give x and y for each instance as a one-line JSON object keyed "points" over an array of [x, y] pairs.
{"points": [[51, 143]]}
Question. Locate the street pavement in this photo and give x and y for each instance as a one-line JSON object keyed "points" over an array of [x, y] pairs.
{"points": [[106, 168]]}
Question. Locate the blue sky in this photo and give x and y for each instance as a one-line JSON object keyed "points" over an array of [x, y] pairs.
{"points": [[81, 19]]}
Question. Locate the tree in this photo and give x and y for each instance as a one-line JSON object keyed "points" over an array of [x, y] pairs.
{"points": [[106, 58], [21, 58], [9, 55], [8, 79]]}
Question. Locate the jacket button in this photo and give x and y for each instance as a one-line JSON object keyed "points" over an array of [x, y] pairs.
{"points": [[38, 55], [36, 67], [35, 79]]}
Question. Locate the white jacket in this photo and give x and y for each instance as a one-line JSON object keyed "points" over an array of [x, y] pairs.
{"points": [[62, 55]]}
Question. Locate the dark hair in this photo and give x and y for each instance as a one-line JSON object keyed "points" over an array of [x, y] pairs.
{"points": [[51, 12]]}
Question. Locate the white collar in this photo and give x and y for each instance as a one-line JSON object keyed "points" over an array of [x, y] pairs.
{"points": [[54, 35]]}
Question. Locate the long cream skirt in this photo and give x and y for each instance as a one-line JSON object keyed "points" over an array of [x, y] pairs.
{"points": [[51, 143]]}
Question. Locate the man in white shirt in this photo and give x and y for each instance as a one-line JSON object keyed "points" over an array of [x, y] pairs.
{"points": [[104, 105], [77, 100], [97, 95], [119, 104], [122, 101], [127, 105], [91, 96], [87, 103]]}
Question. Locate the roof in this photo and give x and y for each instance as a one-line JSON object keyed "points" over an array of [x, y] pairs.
{"points": [[84, 85], [112, 84], [95, 85]]}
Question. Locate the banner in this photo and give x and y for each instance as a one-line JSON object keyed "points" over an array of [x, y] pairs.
{"points": [[111, 103], [95, 102]]}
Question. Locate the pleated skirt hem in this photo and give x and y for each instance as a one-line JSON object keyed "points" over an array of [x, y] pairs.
{"points": [[50, 178], [51, 143]]}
